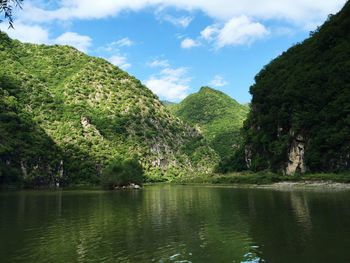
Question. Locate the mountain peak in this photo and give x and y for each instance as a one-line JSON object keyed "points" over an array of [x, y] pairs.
{"points": [[217, 115], [206, 88]]}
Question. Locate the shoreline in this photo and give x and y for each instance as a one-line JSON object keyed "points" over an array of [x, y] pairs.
{"points": [[301, 184], [307, 185], [312, 185]]}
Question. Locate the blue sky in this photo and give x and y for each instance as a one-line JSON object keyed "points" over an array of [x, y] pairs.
{"points": [[177, 46]]}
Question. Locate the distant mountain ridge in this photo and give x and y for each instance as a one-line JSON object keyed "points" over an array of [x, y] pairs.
{"points": [[217, 116], [65, 115]]}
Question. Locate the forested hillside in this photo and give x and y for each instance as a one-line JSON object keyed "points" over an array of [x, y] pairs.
{"points": [[300, 118], [217, 116], [64, 116]]}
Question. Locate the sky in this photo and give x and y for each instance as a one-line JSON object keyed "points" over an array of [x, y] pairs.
{"points": [[176, 46]]}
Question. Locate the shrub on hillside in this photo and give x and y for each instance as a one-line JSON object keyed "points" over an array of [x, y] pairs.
{"points": [[122, 172]]}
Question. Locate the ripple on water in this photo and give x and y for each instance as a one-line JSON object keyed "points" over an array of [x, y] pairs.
{"points": [[168, 224]]}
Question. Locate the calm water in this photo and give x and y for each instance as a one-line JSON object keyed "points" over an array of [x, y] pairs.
{"points": [[175, 224]]}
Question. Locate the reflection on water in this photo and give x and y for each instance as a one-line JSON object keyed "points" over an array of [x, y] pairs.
{"points": [[175, 224]]}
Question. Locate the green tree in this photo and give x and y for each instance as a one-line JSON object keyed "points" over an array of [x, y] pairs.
{"points": [[122, 172]]}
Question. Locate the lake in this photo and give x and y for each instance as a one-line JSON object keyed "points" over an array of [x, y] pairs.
{"points": [[164, 223]]}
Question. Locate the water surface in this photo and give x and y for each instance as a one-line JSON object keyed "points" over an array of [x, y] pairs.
{"points": [[175, 224]]}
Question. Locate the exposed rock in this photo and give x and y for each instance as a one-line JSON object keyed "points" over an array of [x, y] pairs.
{"points": [[248, 156], [296, 162], [137, 187], [130, 186], [61, 169], [88, 127], [24, 169]]}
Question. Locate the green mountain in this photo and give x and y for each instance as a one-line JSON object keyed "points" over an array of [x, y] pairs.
{"points": [[300, 118], [168, 103], [216, 115], [64, 116]]}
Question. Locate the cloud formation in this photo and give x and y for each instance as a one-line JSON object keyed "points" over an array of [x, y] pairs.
{"points": [[80, 42], [183, 21], [120, 61], [188, 43], [218, 81], [124, 42], [37, 34], [239, 31], [301, 12], [26, 33], [170, 84], [164, 63]]}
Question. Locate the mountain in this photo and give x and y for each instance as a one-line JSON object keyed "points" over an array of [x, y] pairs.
{"points": [[64, 116], [168, 103], [300, 118], [216, 115]]}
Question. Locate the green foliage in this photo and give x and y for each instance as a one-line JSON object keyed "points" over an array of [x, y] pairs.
{"points": [[122, 172], [217, 115], [235, 162], [23, 144], [305, 92], [65, 115]]}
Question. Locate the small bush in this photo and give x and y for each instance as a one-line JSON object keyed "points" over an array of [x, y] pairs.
{"points": [[122, 172]]}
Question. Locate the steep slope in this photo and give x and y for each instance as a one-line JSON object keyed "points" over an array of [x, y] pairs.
{"points": [[23, 144], [300, 117], [92, 112], [217, 115]]}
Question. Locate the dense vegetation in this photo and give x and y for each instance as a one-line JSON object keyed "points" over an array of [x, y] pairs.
{"points": [[302, 99], [64, 116], [122, 172], [218, 117]]}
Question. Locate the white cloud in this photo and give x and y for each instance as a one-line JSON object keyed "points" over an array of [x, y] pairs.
{"points": [[183, 21], [120, 61], [80, 42], [124, 42], [240, 31], [26, 33], [36, 34], [218, 81], [170, 84], [189, 43], [159, 63], [209, 32], [114, 47], [301, 12]]}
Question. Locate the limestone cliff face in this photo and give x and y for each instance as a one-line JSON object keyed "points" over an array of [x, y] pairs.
{"points": [[248, 156], [296, 160]]}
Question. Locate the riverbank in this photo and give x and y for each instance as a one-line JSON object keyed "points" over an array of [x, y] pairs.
{"points": [[268, 179], [246, 179]]}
